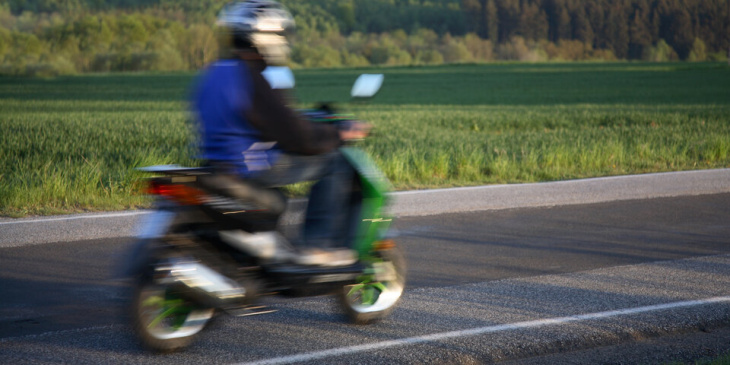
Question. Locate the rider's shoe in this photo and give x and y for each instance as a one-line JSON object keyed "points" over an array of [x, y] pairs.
{"points": [[326, 257]]}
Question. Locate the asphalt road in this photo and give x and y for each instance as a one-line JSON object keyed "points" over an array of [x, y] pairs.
{"points": [[483, 286]]}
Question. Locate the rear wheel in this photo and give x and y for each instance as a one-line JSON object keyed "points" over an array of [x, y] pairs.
{"points": [[379, 288], [163, 319]]}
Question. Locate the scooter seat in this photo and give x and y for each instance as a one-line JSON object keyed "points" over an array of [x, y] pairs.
{"points": [[271, 200]]}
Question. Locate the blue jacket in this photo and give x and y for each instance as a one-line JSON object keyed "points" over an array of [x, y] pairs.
{"points": [[244, 123], [221, 101]]}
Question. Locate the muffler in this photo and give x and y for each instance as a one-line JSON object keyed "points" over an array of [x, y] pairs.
{"points": [[201, 283]]}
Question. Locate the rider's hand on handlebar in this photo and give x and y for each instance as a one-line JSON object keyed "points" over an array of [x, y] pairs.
{"points": [[355, 130]]}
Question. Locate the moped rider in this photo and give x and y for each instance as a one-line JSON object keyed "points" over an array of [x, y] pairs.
{"points": [[247, 126]]}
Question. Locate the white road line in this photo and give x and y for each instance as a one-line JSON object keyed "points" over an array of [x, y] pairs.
{"points": [[480, 331], [90, 216], [562, 182]]}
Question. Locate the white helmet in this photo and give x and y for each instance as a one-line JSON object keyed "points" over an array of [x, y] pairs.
{"points": [[260, 24]]}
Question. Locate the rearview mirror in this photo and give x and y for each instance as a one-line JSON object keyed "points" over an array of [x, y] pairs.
{"points": [[279, 77], [367, 85]]}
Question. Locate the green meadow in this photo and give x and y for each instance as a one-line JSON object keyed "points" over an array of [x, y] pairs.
{"points": [[70, 144]]}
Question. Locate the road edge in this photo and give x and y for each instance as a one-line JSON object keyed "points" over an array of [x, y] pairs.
{"points": [[25, 231]]}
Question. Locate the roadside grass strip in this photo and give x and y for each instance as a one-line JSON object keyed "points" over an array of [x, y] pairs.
{"points": [[318, 355]]}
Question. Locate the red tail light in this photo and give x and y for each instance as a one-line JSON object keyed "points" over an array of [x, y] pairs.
{"points": [[180, 193]]}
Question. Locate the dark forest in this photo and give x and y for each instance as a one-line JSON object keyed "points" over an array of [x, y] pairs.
{"points": [[47, 37]]}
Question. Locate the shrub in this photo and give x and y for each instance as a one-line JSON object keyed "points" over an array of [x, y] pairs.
{"points": [[455, 51], [661, 52], [516, 49], [698, 52], [429, 57], [354, 59]]}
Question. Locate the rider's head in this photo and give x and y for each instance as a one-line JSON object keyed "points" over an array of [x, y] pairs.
{"points": [[256, 25]]}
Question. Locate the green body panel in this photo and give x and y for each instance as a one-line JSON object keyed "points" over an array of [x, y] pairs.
{"points": [[374, 221]]}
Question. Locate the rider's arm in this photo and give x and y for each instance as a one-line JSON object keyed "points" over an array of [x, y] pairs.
{"points": [[277, 122]]}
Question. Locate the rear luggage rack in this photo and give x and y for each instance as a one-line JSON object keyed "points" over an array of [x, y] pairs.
{"points": [[176, 170]]}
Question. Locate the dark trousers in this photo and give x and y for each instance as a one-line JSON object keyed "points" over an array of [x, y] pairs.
{"points": [[328, 215]]}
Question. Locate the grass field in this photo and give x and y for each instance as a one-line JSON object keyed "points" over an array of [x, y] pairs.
{"points": [[71, 144]]}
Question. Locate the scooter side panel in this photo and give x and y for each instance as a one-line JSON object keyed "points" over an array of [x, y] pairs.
{"points": [[373, 220]]}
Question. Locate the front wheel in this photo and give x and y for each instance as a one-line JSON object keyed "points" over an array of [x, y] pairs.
{"points": [[379, 288], [163, 320]]}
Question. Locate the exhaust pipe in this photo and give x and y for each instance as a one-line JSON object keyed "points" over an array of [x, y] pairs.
{"points": [[204, 284]]}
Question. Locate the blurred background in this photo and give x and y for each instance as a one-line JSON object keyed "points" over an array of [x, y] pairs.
{"points": [[52, 37], [476, 91]]}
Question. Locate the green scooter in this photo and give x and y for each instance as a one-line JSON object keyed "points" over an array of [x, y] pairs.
{"points": [[201, 253]]}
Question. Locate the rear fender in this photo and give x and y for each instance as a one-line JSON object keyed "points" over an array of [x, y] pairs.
{"points": [[156, 224]]}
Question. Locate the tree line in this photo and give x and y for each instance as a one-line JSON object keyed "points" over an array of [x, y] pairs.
{"points": [[50, 37]]}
